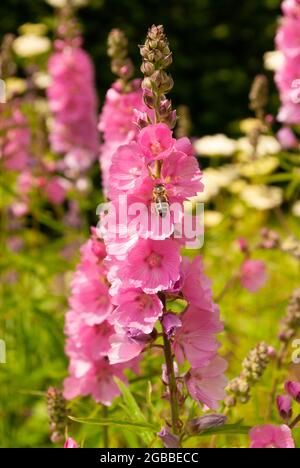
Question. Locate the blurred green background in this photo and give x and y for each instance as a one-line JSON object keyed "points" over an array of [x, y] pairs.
{"points": [[218, 46]]}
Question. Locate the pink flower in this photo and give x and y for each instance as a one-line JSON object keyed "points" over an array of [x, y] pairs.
{"points": [[127, 168], [195, 341], [288, 37], [152, 266], [196, 287], [207, 384], [90, 290], [70, 443], [291, 7], [127, 344], [15, 139], [73, 102], [270, 436], [181, 176], [293, 389], [156, 142], [97, 381], [287, 138], [135, 309], [253, 275], [55, 190]]}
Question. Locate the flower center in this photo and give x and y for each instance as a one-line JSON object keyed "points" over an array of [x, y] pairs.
{"points": [[156, 147], [154, 260]]}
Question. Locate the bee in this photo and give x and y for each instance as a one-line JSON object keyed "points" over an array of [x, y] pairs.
{"points": [[161, 201]]}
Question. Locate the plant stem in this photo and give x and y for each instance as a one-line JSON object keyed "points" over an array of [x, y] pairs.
{"points": [[172, 384], [105, 428], [295, 422], [279, 364]]}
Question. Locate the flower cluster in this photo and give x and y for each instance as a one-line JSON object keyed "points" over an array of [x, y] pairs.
{"points": [[122, 100], [89, 331], [73, 103], [287, 76], [15, 139], [145, 267]]}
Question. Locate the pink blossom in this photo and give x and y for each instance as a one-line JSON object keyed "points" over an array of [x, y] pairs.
{"points": [[196, 287], [127, 168], [270, 436], [288, 37], [73, 102], [253, 275], [97, 381], [70, 443], [152, 266], [181, 176], [135, 309], [15, 139], [127, 344], [156, 142], [171, 324], [195, 341], [55, 190], [287, 138], [207, 384], [291, 7]]}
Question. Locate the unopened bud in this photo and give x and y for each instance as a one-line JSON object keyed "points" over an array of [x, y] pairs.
{"points": [[169, 440], [293, 389], [284, 405], [210, 421]]}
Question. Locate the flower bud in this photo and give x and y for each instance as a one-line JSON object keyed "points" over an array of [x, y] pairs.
{"points": [[70, 443], [171, 323], [169, 440], [149, 98], [284, 405], [293, 389], [210, 421]]}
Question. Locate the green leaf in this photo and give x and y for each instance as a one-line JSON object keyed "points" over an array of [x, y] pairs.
{"points": [[135, 412], [130, 425], [227, 429]]}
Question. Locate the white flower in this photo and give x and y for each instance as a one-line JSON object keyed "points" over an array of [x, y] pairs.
{"points": [[262, 197], [215, 145], [216, 179], [273, 60], [42, 80], [266, 145], [63, 3], [212, 218], [30, 45], [296, 209], [261, 166]]}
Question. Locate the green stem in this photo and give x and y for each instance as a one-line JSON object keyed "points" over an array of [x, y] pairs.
{"points": [[105, 428], [172, 384]]}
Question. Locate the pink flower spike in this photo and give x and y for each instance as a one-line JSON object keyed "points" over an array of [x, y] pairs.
{"points": [[293, 389], [156, 142], [253, 275], [270, 436], [70, 443]]}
